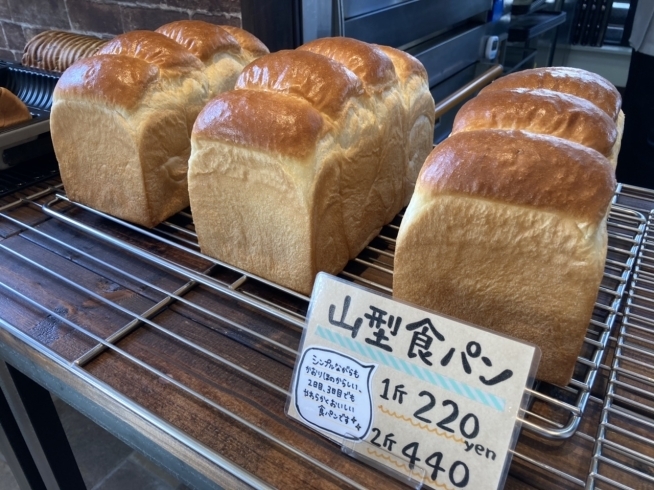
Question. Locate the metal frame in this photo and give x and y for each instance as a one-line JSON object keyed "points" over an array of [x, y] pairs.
{"points": [[44, 436], [630, 391], [625, 231]]}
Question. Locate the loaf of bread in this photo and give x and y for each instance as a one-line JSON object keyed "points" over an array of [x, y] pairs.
{"points": [[271, 154], [338, 95], [57, 50], [506, 230], [540, 111], [12, 110], [297, 153], [572, 81], [221, 53], [121, 123]]}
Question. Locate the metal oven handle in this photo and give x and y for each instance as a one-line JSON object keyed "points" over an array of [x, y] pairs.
{"points": [[467, 90]]}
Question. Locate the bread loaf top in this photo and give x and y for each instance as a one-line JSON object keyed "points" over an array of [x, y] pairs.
{"points": [[155, 48], [116, 80], [12, 109], [368, 62], [324, 83], [265, 120], [522, 169], [251, 46], [202, 39], [540, 111], [405, 64], [573, 81]]}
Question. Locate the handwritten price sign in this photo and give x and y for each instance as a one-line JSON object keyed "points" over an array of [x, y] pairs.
{"points": [[409, 388]]}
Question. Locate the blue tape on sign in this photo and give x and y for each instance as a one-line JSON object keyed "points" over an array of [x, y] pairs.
{"points": [[436, 379]]}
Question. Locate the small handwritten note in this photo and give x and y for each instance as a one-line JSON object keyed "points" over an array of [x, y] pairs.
{"points": [[333, 393]]}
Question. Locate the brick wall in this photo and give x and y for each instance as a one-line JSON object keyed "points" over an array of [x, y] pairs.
{"points": [[20, 20]]}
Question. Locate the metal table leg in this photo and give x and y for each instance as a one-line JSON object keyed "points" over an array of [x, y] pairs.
{"points": [[15, 450], [36, 417]]}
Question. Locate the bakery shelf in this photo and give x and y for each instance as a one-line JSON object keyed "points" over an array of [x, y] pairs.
{"points": [[122, 289]]}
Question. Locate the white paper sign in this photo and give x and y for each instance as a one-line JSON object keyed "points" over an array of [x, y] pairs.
{"points": [[422, 390]]}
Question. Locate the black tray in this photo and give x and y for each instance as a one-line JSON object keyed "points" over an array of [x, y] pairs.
{"points": [[33, 87]]}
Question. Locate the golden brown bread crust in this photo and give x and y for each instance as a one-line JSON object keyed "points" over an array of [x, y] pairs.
{"points": [[290, 224], [154, 48], [202, 39], [573, 81], [540, 111], [120, 130], [116, 80], [250, 44], [12, 109], [264, 120], [405, 64], [522, 169], [57, 50], [368, 62], [324, 83], [507, 230]]}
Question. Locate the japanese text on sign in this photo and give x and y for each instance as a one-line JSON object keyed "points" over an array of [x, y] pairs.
{"points": [[419, 389]]}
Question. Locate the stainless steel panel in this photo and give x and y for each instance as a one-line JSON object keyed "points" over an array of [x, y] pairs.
{"points": [[614, 34], [316, 19], [400, 25], [352, 8], [450, 53]]}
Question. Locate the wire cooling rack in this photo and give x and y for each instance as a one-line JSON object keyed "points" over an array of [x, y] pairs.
{"points": [[554, 414], [622, 457]]}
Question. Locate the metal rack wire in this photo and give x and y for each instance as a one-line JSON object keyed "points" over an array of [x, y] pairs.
{"points": [[629, 399], [555, 413]]}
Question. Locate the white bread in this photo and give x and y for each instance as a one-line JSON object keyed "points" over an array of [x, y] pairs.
{"points": [[507, 230], [419, 109], [540, 111], [121, 123], [291, 152], [12, 110], [264, 187], [298, 153], [221, 53], [377, 73], [349, 112]]}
